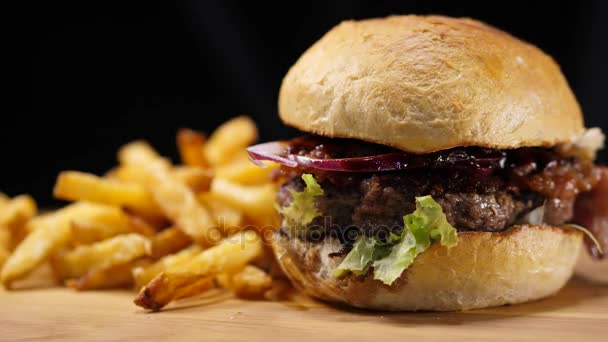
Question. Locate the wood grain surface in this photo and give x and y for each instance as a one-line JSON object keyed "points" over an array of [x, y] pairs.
{"points": [[578, 312]]}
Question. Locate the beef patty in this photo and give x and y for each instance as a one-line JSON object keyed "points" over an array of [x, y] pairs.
{"points": [[492, 200], [377, 204]]}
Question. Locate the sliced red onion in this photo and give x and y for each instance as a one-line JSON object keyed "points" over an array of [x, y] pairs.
{"points": [[276, 151], [271, 151]]}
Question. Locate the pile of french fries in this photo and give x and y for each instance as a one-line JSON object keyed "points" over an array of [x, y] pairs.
{"points": [[169, 231]]}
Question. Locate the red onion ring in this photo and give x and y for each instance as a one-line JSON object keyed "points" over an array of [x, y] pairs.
{"points": [[269, 151], [276, 151]]}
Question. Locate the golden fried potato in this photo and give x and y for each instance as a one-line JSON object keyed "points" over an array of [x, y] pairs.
{"points": [[112, 222], [140, 153], [257, 201], [162, 290], [86, 232], [190, 144], [144, 274], [128, 174], [5, 245], [140, 225], [181, 206], [231, 255], [147, 222], [230, 138], [6, 242], [243, 171], [114, 251], [118, 276], [3, 199], [169, 241], [174, 198], [5, 239], [250, 282], [48, 233], [196, 178], [4, 253], [226, 215], [17, 210], [13, 216], [80, 186]]}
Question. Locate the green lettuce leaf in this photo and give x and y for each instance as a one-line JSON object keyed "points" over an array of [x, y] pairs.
{"points": [[426, 225], [401, 256], [302, 210], [429, 216], [359, 258]]}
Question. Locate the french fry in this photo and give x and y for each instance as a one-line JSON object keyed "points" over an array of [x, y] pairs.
{"points": [[14, 215], [17, 210], [168, 241], [5, 239], [243, 171], [48, 233], [80, 186], [166, 290], [128, 174], [114, 222], [181, 205], [195, 178], [228, 139], [86, 232], [3, 199], [227, 216], [140, 225], [4, 254], [174, 198], [5, 244], [140, 153], [118, 276], [117, 250], [144, 274], [250, 282], [190, 144], [5, 233], [257, 201], [231, 255], [137, 224]]}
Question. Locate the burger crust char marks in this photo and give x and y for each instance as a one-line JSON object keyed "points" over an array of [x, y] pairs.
{"points": [[444, 164]]}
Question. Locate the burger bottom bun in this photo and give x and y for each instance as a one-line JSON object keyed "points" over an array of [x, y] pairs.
{"points": [[485, 269]]}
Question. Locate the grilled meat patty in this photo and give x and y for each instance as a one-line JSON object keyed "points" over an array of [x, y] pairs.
{"points": [[492, 200]]}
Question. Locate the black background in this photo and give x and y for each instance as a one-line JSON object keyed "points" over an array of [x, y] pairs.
{"points": [[84, 77]]}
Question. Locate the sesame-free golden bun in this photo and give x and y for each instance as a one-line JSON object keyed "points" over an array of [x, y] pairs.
{"points": [[484, 269], [427, 83]]}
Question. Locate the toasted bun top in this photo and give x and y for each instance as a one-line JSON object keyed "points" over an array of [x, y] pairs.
{"points": [[426, 83]]}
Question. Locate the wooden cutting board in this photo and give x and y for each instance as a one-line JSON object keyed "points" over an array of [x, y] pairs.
{"points": [[578, 313]]}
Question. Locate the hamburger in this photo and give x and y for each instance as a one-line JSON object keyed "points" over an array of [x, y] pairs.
{"points": [[440, 169]]}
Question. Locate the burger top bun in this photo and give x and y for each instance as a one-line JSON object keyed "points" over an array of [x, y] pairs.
{"points": [[426, 83]]}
